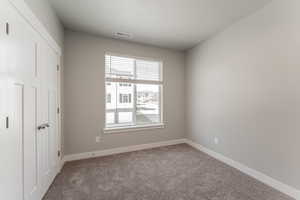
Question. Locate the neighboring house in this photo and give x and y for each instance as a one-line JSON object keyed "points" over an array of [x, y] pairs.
{"points": [[119, 103]]}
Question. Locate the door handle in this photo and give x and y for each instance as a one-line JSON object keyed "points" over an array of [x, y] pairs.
{"points": [[43, 126]]}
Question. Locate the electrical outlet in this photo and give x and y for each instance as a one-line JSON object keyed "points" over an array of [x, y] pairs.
{"points": [[98, 139], [216, 140]]}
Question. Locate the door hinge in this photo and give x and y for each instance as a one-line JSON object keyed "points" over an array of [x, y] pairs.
{"points": [[58, 111], [57, 67], [7, 28], [58, 153]]}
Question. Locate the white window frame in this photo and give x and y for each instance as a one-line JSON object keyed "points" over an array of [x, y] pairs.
{"points": [[129, 128]]}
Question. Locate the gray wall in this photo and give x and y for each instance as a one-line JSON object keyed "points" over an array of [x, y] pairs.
{"points": [[243, 86], [43, 10], [85, 95]]}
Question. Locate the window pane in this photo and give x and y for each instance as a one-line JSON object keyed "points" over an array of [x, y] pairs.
{"points": [[148, 70], [124, 96], [110, 118], [147, 104], [111, 101], [119, 102], [125, 117], [108, 98], [119, 67], [107, 65]]}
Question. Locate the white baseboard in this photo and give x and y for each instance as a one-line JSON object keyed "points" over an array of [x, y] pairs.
{"points": [[284, 188], [86, 155]]}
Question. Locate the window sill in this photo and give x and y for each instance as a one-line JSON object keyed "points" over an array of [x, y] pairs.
{"points": [[132, 128]]}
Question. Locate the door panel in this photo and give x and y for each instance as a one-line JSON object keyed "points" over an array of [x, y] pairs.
{"points": [[43, 144], [47, 105], [30, 145], [11, 144], [28, 75], [53, 132], [53, 116]]}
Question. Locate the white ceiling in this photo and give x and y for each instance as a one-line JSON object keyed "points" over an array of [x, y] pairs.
{"points": [[176, 24]]}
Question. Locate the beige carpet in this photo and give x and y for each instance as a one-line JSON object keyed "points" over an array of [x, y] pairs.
{"points": [[176, 172]]}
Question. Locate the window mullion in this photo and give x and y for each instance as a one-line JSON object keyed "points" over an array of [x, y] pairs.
{"points": [[134, 95], [160, 106], [134, 104], [116, 111], [110, 64]]}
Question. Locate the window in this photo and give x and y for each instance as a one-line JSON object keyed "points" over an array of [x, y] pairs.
{"points": [[133, 91], [125, 98]]}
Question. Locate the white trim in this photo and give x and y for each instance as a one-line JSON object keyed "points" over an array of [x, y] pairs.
{"points": [[31, 19], [107, 152], [284, 188], [132, 128]]}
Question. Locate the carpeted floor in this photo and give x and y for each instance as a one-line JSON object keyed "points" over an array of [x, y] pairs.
{"points": [[176, 172]]}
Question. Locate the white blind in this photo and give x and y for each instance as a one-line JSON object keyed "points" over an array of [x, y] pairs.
{"points": [[147, 70], [119, 66], [130, 68]]}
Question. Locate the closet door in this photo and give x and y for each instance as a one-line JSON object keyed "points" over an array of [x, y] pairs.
{"points": [[25, 84], [30, 137], [47, 115], [52, 111], [11, 110]]}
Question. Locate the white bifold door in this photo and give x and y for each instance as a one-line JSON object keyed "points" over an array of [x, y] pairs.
{"points": [[47, 118], [29, 136]]}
